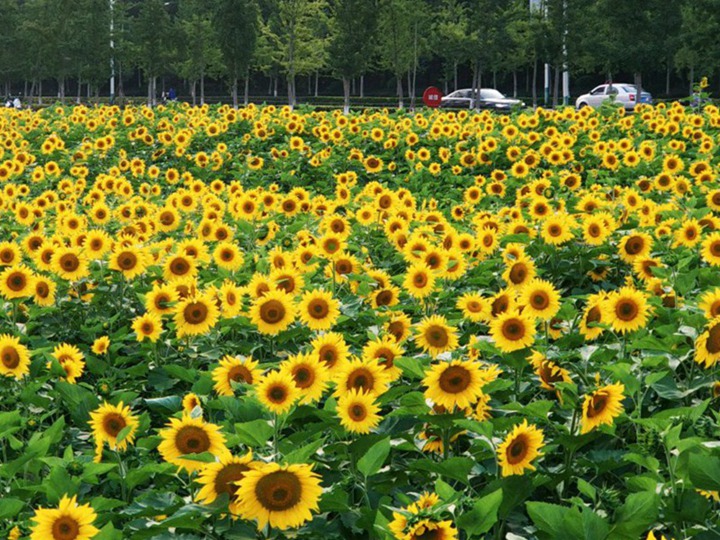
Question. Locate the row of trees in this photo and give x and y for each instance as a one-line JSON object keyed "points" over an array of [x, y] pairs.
{"points": [[77, 41]]}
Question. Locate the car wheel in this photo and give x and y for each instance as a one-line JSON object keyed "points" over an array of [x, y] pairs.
{"points": [[582, 105]]}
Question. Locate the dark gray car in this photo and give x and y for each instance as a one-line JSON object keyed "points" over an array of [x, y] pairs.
{"points": [[489, 99]]}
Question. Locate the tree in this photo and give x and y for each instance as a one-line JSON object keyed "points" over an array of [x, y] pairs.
{"points": [[396, 40], [153, 46], [352, 40], [91, 44], [199, 50], [237, 24], [451, 35], [698, 35]]}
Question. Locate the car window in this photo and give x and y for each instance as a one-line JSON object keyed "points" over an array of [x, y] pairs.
{"points": [[490, 93], [466, 93], [612, 90], [629, 89], [597, 91]]}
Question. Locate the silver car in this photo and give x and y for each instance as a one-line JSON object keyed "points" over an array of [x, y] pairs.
{"points": [[621, 93]]}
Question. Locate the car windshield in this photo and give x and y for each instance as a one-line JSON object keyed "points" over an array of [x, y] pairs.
{"points": [[630, 89], [489, 93]]}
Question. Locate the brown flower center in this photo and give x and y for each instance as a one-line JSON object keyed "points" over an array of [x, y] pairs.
{"points": [[277, 393], [357, 412], [10, 357], [240, 373], [16, 281], [272, 312], [518, 273], [69, 262], [598, 402], [361, 379], [318, 308], [517, 450], [626, 309], [278, 491], [304, 376], [513, 329], [455, 379], [192, 440], [713, 340], [113, 424], [195, 313], [65, 528], [127, 260], [437, 336]]}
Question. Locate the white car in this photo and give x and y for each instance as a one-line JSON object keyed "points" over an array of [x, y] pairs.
{"points": [[624, 94]]}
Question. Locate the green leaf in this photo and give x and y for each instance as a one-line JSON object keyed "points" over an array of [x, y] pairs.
{"points": [[10, 508], [636, 515], [457, 468], [482, 516], [373, 459], [254, 433], [704, 472], [108, 532], [557, 522], [411, 367]]}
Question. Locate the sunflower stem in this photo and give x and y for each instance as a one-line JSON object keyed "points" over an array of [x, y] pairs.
{"points": [[446, 443], [123, 474]]}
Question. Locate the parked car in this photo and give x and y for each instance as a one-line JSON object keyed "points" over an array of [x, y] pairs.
{"points": [[622, 93], [489, 99]]}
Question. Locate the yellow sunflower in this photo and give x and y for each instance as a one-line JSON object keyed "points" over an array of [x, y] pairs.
{"points": [[710, 250], [521, 446], [69, 521], [602, 407], [318, 310], [71, 360], [234, 369], [279, 496], [362, 375], [428, 528], [196, 315], [540, 299], [710, 303], [626, 310], [188, 435], [331, 349], [69, 263], [223, 477], [707, 345], [160, 300], [454, 384], [435, 336], [101, 345], [593, 315], [228, 256], [512, 331], [109, 421], [273, 312], [419, 281], [130, 261], [384, 351], [357, 411], [309, 374], [14, 357], [277, 391], [45, 289], [17, 282], [147, 326]]}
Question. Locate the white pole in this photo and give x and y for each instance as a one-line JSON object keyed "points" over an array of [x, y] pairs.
{"points": [[566, 73], [112, 51]]}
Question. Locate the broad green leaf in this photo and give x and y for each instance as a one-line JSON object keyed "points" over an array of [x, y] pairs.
{"points": [[482, 516], [373, 459]]}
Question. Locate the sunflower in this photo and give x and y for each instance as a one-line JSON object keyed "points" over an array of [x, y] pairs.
{"points": [[223, 477], [179, 266], [188, 435], [273, 312], [160, 300], [101, 345], [593, 315], [318, 310], [357, 411], [331, 349], [519, 271], [69, 521], [428, 528], [548, 371], [196, 315], [384, 351], [556, 230], [14, 357], [689, 234], [435, 336], [710, 250], [279, 496], [17, 282], [388, 296], [109, 421], [399, 326], [147, 326], [131, 261], [71, 360], [228, 256], [540, 299], [710, 303], [626, 310], [277, 391], [635, 246], [602, 407], [310, 375], [234, 369], [454, 384], [419, 281], [69, 263], [707, 345], [361, 375], [512, 331], [520, 447], [190, 402]]}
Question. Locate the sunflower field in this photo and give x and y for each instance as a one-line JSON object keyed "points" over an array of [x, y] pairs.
{"points": [[265, 323]]}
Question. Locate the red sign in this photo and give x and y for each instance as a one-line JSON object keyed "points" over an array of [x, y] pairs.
{"points": [[432, 96]]}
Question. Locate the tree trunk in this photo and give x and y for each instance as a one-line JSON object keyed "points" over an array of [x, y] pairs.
{"points": [[667, 80], [234, 92], [291, 91], [150, 92], [556, 87], [270, 86], [409, 90], [79, 90], [638, 87], [202, 88], [346, 95], [515, 84], [353, 85], [40, 101], [317, 83], [246, 97], [534, 84], [399, 89], [362, 86], [455, 75], [309, 84], [478, 86], [275, 87], [61, 89], [193, 92]]}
